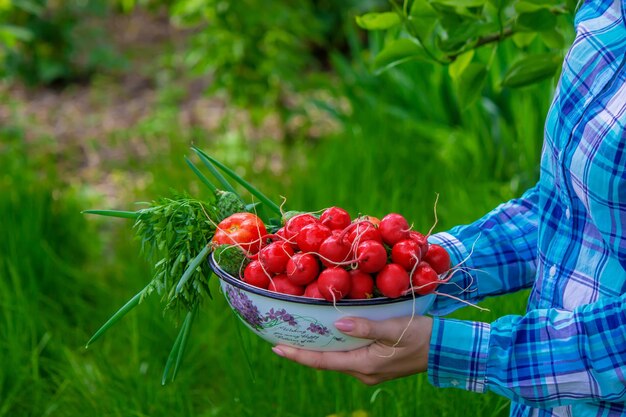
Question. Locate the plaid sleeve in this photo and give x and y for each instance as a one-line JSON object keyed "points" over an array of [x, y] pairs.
{"points": [[494, 255], [545, 358], [602, 189], [458, 354]]}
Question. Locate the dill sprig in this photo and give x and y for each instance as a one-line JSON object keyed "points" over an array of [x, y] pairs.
{"points": [[174, 232]]}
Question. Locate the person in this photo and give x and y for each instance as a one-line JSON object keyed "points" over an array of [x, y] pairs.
{"points": [[565, 238]]}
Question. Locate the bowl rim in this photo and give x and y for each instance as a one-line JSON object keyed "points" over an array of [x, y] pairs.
{"points": [[232, 280]]}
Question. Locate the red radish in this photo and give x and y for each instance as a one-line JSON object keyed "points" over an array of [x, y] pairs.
{"points": [[281, 236], [421, 240], [393, 228], [334, 250], [371, 256], [438, 258], [296, 223], [362, 285], [335, 218], [334, 283], [274, 256], [364, 231], [424, 279], [302, 268], [393, 281], [406, 253], [280, 283], [311, 236], [254, 274], [312, 291]]}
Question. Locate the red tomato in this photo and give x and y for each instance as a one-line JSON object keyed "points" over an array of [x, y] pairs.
{"points": [[374, 220], [245, 230]]}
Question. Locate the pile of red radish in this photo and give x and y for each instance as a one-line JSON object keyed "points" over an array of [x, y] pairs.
{"points": [[333, 257]]}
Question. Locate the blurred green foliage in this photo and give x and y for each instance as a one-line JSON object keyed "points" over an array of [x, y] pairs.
{"points": [[46, 42], [260, 53]]}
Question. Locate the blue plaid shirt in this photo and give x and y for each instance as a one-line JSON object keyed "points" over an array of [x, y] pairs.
{"points": [[565, 238]]}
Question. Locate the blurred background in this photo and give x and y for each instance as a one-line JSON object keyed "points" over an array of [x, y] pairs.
{"points": [[100, 101]]}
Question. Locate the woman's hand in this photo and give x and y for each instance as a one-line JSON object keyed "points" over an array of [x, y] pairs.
{"points": [[400, 348]]}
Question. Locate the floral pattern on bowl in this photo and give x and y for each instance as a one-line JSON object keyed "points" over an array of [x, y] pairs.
{"points": [[295, 329]]}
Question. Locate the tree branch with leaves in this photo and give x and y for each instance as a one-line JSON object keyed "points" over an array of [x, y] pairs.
{"points": [[451, 32]]}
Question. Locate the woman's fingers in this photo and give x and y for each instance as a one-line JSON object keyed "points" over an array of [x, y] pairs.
{"points": [[363, 364], [387, 331], [334, 361]]}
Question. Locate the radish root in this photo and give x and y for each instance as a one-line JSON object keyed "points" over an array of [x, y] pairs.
{"points": [[435, 212]]}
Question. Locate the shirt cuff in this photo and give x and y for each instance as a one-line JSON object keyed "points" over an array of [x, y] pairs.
{"points": [[458, 354]]}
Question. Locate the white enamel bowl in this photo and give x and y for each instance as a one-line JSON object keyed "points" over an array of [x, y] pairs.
{"points": [[305, 322]]}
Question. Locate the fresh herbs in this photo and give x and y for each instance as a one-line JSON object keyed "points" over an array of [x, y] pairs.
{"points": [[174, 232]]}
